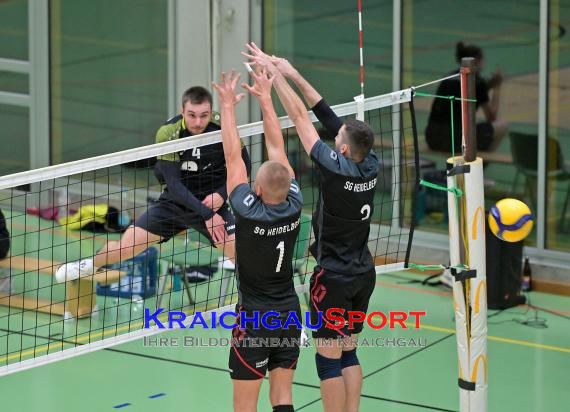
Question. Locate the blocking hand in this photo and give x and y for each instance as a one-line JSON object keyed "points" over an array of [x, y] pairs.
{"points": [[227, 88]]}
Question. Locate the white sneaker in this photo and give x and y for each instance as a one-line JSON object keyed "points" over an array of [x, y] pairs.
{"points": [[305, 340], [74, 270], [225, 263]]}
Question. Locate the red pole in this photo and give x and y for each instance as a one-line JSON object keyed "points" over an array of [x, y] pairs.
{"points": [[468, 108], [361, 48]]}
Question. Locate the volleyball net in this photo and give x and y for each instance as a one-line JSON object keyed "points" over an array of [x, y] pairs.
{"points": [[67, 212], [467, 265]]}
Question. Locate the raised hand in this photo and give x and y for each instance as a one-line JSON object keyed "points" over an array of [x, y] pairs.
{"points": [[262, 84], [227, 88], [258, 57], [283, 65]]}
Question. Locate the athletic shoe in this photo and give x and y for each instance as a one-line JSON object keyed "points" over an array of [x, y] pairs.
{"points": [[198, 274], [75, 270]]}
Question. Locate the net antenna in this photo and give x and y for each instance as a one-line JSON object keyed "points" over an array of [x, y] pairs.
{"points": [[467, 252], [360, 98]]}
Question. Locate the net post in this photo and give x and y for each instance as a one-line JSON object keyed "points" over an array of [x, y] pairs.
{"points": [[468, 108], [467, 254]]}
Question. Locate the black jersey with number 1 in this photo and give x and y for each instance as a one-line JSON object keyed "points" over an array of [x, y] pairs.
{"points": [[341, 221], [265, 241]]}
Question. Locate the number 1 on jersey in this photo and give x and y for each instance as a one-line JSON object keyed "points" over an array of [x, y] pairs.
{"points": [[281, 247]]}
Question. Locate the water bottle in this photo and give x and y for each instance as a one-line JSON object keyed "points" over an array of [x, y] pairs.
{"points": [[526, 276]]}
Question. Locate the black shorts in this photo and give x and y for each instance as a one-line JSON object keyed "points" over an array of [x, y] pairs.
{"points": [[337, 290], [251, 356], [167, 219]]}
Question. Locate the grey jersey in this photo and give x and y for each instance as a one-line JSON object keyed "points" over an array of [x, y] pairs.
{"points": [[341, 221], [265, 241]]}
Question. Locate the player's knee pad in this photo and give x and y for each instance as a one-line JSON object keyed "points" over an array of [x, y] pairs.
{"points": [[283, 408], [349, 358], [328, 368]]}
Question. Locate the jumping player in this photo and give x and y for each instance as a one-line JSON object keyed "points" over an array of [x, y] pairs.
{"points": [[194, 196], [345, 274], [267, 225]]}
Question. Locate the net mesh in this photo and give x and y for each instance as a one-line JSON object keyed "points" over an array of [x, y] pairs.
{"points": [[42, 320]]}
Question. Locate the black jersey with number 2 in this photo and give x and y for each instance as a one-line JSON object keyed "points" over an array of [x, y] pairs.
{"points": [[265, 241], [341, 221]]}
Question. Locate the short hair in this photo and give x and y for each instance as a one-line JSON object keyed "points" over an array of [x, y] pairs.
{"points": [[196, 95], [360, 138], [275, 180], [467, 50]]}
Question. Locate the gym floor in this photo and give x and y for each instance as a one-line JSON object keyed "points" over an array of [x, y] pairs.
{"points": [[527, 368]]}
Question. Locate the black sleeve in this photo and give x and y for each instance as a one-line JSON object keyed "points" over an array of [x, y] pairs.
{"points": [[223, 191], [327, 117], [481, 90], [170, 172]]}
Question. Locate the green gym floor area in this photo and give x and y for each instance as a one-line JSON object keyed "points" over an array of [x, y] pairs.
{"points": [[527, 368]]}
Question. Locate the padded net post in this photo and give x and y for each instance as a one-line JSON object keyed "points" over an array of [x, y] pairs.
{"points": [[467, 255]]}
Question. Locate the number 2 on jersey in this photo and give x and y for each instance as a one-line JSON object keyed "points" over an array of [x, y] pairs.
{"points": [[281, 247], [365, 211]]}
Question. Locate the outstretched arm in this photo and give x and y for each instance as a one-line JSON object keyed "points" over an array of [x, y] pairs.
{"points": [[297, 113], [291, 102], [310, 94], [316, 102], [170, 174], [313, 98], [261, 89], [236, 171]]}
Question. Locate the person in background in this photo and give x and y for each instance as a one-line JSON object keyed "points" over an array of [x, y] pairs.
{"points": [[490, 131]]}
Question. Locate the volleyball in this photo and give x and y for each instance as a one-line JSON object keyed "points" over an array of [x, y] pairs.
{"points": [[510, 220]]}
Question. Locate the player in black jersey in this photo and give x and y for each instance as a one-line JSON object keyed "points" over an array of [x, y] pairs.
{"points": [[345, 275], [267, 225], [194, 196]]}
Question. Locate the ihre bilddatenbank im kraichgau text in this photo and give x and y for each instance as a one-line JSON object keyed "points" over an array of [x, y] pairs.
{"points": [[333, 318]]}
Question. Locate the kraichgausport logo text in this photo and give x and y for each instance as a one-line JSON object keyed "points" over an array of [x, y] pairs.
{"points": [[333, 318]]}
